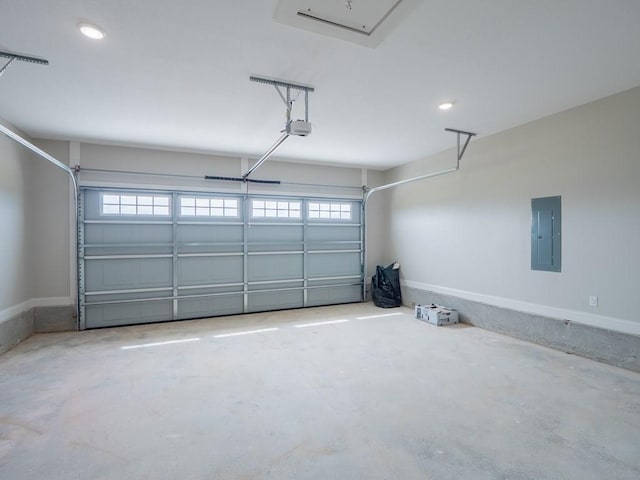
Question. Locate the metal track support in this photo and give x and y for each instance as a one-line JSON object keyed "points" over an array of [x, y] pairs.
{"points": [[461, 132], [72, 176], [174, 250], [371, 191], [20, 58], [82, 314], [264, 157]]}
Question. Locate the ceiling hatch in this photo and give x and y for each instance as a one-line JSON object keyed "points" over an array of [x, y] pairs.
{"points": [[365, 22]]}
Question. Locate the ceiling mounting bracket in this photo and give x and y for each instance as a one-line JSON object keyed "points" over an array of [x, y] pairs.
{"points": [[466, 143], [301, 130], [21, 58], [286, 99]]}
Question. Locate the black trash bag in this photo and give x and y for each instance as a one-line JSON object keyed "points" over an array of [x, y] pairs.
{"points": [[385, 287]]}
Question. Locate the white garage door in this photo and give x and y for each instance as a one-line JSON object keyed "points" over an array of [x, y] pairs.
{"points": [[154, 256]]}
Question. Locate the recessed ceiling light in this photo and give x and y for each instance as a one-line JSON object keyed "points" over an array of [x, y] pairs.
{"points": [[445, 106], [91, 31]]}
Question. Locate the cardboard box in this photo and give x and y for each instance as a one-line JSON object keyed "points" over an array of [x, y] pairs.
{"points": [[436, 314]]}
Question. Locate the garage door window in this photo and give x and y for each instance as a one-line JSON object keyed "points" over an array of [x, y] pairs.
{"points": [[275, 209], [331, 211], [208, 207], [116, 204]]}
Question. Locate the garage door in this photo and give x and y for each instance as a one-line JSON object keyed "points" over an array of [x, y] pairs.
{"points": [[154, 256]]}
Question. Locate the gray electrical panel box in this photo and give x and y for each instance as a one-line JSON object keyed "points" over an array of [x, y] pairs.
{"points": [[545, 234]]}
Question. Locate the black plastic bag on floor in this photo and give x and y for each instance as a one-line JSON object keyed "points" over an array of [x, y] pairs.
{"points": [[385, 286]]}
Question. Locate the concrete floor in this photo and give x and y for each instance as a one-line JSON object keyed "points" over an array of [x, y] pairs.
{"points": [[373, 398]]}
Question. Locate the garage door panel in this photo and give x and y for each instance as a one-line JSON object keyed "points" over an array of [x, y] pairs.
{"points": [[280, 285], [275, 267], [119, 295], [210, 306], [127, 250], [210, 270], [127, 313], [270, 233], [328, 233], [334, 295], [136, 273], [117, 234], [260, 302], [334, 264], [210, 238], [185, 291]]}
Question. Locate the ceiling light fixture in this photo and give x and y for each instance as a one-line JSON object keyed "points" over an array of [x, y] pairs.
{"points": [[445, 106], [92, 31]]}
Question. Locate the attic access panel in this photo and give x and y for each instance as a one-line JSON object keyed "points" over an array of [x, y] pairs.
{"points": [[366, 22]]}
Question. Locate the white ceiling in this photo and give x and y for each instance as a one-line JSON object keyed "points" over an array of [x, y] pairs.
{"points": [[176, 74]]}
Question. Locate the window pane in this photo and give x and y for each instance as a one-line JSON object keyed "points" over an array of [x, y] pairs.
{"points": [[233, 203], [145, 210], [258, 213], [217, 202], [294, 214], [202, 212], [271, 213], [186, 211], [128, 209], [217, 212], [258, 204], [345, 215], [185, 202], [314, 214], [161, 210], [231, 212], [202, 202], [145, 200], [128, 199], [111, 209], [324, 214], [164, 201], [112, 199]]}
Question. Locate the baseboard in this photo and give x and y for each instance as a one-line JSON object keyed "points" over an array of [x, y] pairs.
{"points": [[51, 302], [599, 321], [16, 326], [54, 318], [11, 312], [606, 345], [36, 315]]}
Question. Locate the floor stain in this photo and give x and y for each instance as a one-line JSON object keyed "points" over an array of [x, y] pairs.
{"points": [[23, 425]]}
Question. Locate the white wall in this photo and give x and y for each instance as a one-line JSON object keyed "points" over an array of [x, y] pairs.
{"points": [[50, 221], [15, 261], [468, 233]]}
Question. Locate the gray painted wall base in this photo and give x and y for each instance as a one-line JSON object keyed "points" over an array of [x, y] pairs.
{"points": [[36, 320], [15, 329], [614, 348], [54, 319]]}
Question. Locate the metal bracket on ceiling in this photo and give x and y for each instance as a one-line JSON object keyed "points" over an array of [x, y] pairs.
{"points": [[461, 132], [278, 84], [286, 97], [20, 58]]}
